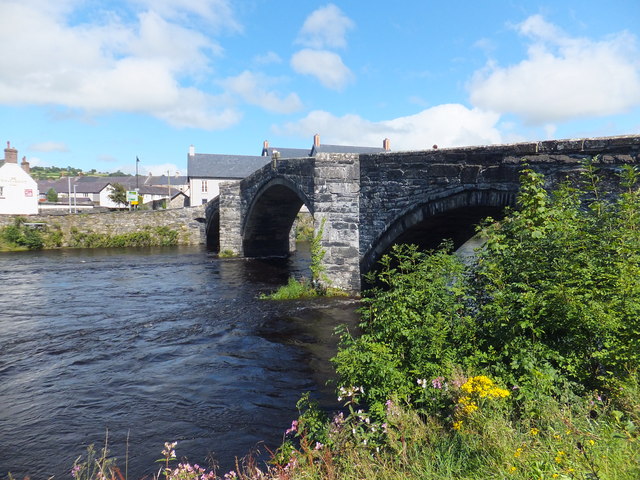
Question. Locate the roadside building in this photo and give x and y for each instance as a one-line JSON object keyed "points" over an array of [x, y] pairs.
{"points": [[18, 191]]}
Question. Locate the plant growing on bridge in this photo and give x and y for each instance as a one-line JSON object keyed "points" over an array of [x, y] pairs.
{"points": [[317, 255]]}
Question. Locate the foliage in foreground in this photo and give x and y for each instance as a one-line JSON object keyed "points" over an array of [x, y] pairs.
{"points": [[552, 301], [587, 438]]}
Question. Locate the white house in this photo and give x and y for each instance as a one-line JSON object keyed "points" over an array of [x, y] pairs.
{"points": [[207, 171], [18, 191]]}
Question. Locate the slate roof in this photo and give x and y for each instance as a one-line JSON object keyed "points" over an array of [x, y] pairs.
{"points": [[224, 166], [206, 165], [160, 180], [343, 149], [287, 152]]}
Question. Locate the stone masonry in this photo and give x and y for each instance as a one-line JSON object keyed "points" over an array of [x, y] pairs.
{"points": [[370, 201]]}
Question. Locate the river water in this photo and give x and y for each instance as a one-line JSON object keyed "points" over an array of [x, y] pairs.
{"points": [[160, 344]]}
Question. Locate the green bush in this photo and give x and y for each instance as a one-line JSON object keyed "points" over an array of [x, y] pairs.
{"points": [[552, 302], [557, 285], [21, 236], [157, 236]]}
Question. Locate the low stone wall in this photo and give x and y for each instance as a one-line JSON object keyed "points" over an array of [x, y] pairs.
{"points": [[189, 222]]}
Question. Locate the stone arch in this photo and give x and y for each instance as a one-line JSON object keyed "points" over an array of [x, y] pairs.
{"points": [[430, 222], [269, 218], [212, 225]]}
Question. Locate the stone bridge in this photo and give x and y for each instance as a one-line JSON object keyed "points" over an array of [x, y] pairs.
{"points": [[368, 202]]}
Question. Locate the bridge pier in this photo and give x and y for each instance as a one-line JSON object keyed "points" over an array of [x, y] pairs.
{"points": [[230, 219], [337, 211]]}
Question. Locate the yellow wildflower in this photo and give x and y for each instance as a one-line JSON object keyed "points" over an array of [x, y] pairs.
{"points": [[512, 469], [534, 431], [457, 425], [518, 452]]}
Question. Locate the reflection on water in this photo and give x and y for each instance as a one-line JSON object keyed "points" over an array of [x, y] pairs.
{"points": [[159, 344]]}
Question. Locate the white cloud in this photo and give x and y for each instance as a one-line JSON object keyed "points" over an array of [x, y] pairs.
{"points": [[268, 58], [113, 66], [563, 77], [252, 88], [158, 169], [217, 13], [447, 125], [326, 27], [325, 66], [48, 147]]}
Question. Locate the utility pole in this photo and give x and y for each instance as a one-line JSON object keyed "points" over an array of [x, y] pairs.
{"points": [[137, 187], [69, 183], [168, 188]]}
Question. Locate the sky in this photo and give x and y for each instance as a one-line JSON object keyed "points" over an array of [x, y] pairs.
{"points": [[97, 83]]}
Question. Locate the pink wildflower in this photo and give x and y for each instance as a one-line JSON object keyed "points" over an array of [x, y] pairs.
{"points": [[294, 428]]}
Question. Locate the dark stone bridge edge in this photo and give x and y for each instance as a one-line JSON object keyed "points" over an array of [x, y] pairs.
{"points": [[369, 201]]}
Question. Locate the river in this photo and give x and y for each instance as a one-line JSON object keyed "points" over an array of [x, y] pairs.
{"points": [[153, 345]]}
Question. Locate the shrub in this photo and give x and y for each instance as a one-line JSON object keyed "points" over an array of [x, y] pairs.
{"points": [[553, 301]]}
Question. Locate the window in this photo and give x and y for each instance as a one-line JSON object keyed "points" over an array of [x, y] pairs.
{"points": [[204, 186], [1, 192]]}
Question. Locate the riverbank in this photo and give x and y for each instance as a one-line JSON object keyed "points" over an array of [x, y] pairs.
{"points": [[180, 226]]}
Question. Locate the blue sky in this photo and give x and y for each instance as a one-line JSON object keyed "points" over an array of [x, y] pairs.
{"points": [[95, 83]]}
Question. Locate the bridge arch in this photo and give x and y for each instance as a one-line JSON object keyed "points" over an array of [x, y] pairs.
{"points": [[212, 224], [430, 222], [268, 220]]}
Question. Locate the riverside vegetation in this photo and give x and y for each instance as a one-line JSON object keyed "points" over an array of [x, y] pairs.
{"points": [[317, 285], [522, 365], [22, 236]]}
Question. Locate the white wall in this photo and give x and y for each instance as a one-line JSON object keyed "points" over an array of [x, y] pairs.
{"points": [[195, 189], [19, 192]]}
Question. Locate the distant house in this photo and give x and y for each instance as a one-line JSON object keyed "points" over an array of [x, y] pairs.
{"points": [[96, 191], [206, 171], [18, 191]]}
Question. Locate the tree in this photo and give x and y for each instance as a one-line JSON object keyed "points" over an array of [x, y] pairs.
{"points": [[52, 195], [119, 194]]}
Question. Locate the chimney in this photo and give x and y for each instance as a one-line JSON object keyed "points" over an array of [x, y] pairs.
{"points": [[192, 150], [265, 148], [386, 144], [25, 165], [10, 154], [316, 140]]}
